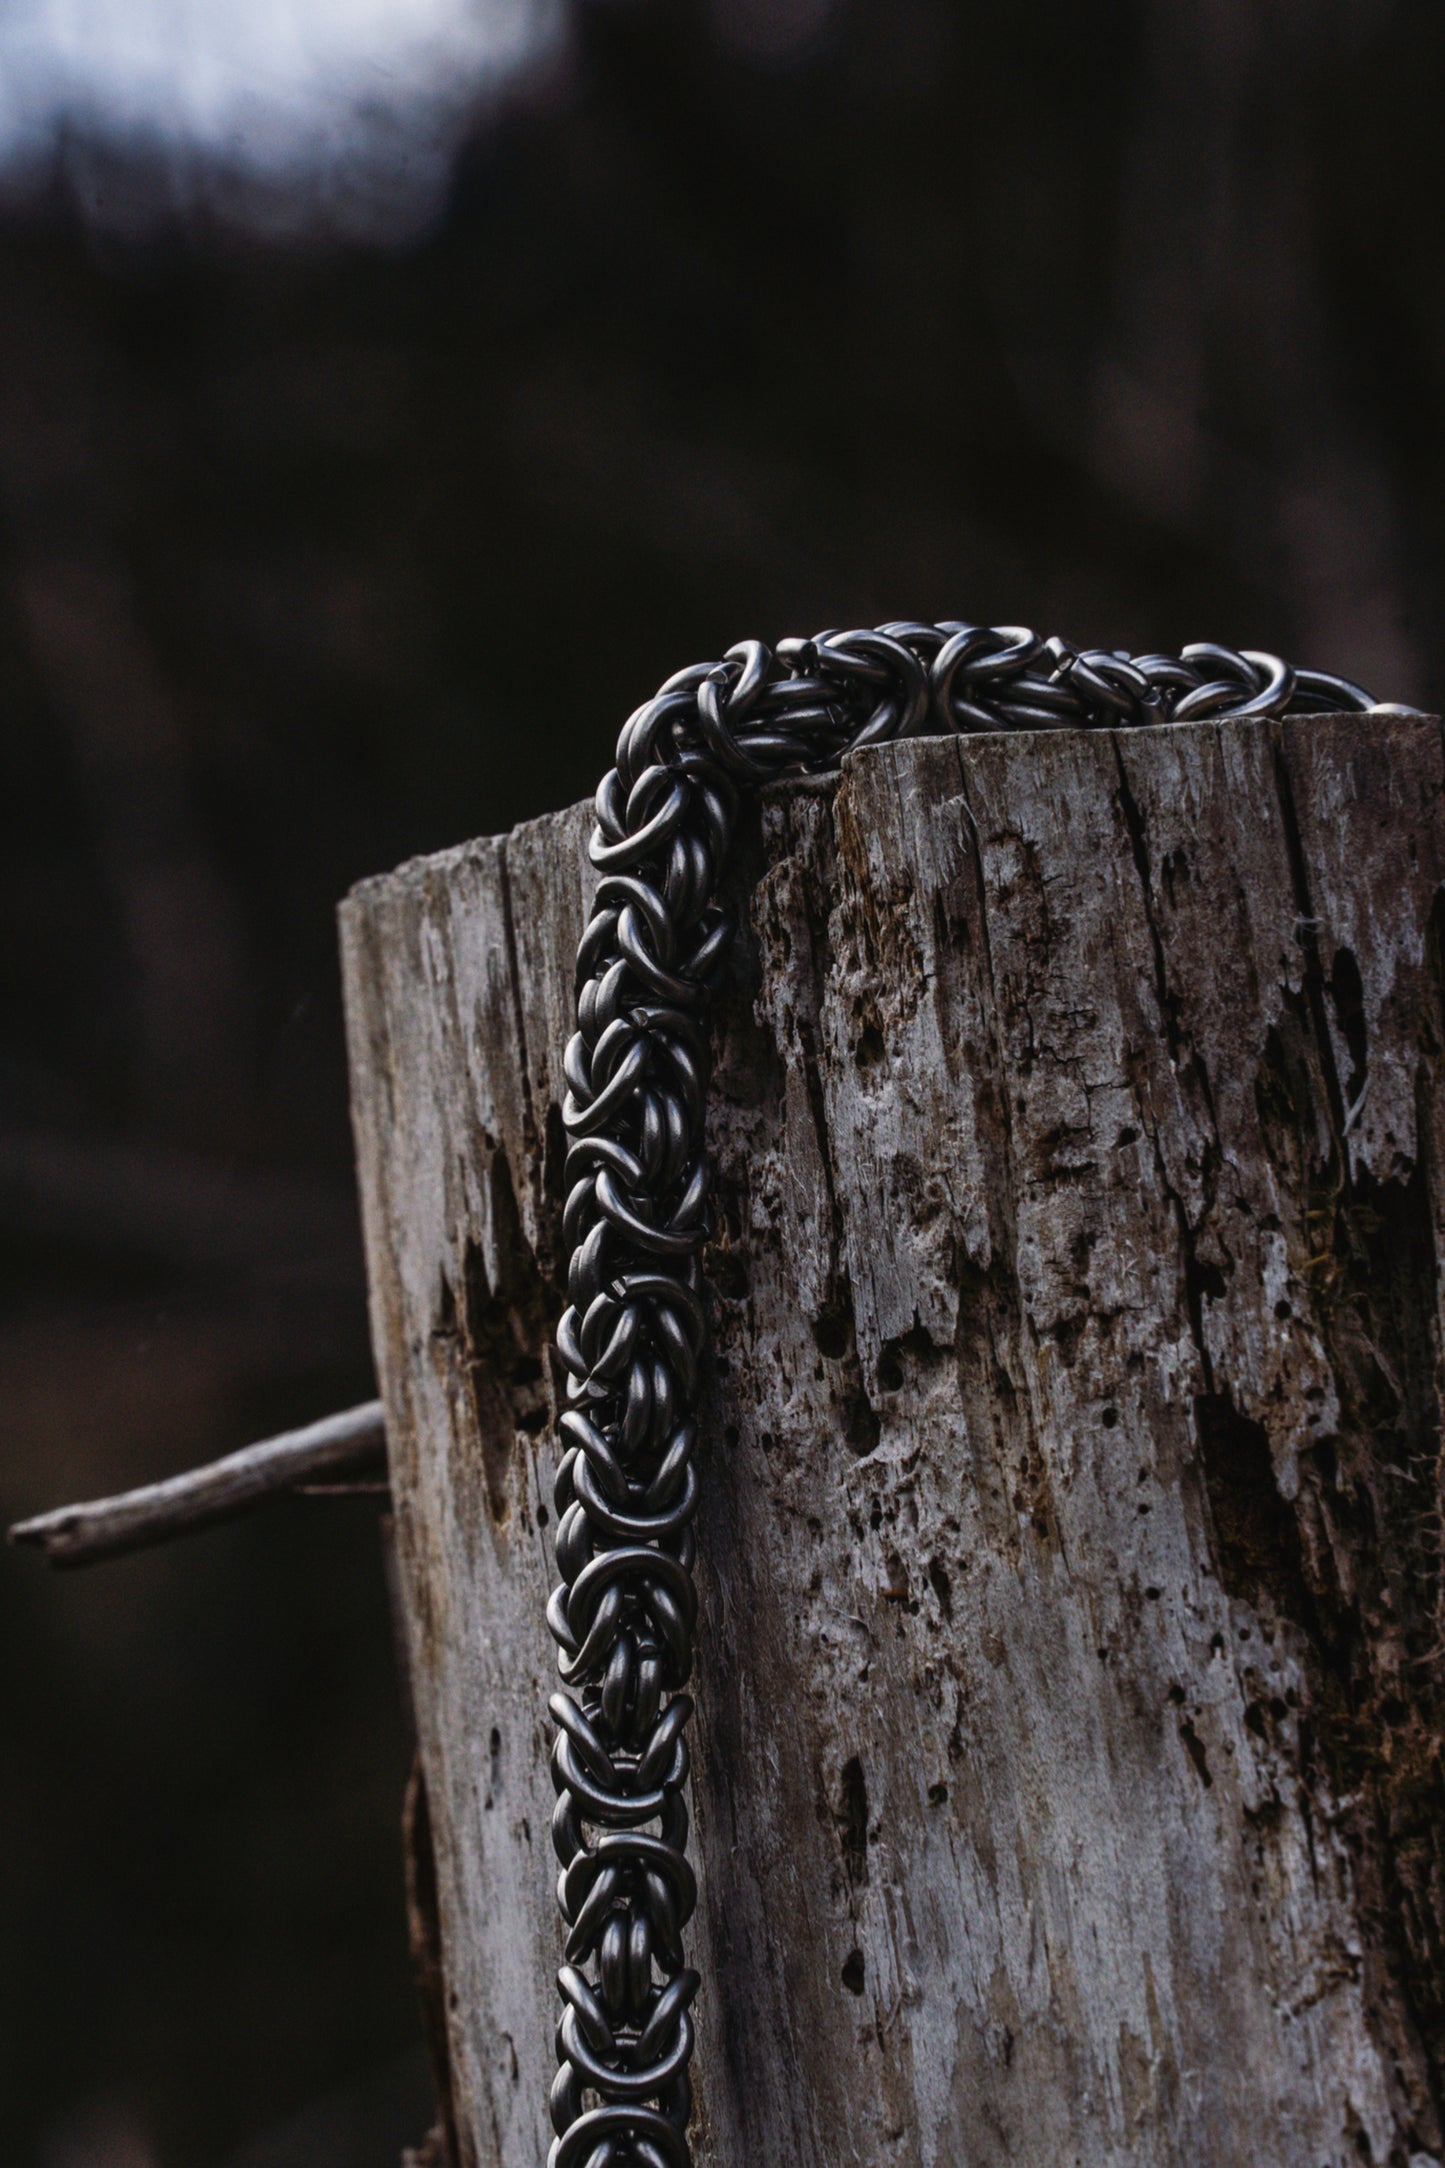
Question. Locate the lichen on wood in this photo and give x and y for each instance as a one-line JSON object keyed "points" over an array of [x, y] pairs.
{"points": [[1067, 1772]]}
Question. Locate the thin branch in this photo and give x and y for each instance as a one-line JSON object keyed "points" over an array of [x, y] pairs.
{"points": [[106, 1527]]}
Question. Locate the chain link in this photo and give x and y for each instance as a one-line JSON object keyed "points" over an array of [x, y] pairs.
{"points": [[635, 1222]]}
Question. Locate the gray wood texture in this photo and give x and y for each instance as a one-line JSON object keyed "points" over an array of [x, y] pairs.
{"points": [[1067, 1771]]}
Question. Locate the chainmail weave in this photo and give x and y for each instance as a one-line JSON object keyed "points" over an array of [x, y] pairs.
{"points": [[635, 1331]]}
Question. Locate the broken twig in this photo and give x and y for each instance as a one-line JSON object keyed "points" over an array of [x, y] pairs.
{"points": [[106, 1527]]}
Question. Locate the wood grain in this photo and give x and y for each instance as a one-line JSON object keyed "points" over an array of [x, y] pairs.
{"points": [[1067, 1771]]}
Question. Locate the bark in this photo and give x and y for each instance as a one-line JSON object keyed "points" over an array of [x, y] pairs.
{"points": [[1067, 1771]]}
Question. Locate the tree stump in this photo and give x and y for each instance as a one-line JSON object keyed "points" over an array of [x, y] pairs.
{"points": [[1067, 1771]]}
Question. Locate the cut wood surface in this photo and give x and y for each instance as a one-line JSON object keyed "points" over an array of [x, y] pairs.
{"points": [[1067, 1767]]}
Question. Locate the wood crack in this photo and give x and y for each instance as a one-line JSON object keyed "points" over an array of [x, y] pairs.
{"points": [[1007, 1813]]}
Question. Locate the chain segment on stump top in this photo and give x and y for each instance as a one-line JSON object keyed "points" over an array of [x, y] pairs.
{"points": [[633, 1336]]}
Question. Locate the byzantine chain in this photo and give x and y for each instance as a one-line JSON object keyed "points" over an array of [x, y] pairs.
{"points": [[634, 1335]]}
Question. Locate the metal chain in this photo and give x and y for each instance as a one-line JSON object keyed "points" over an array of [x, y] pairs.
{"points": [[633, 1337]]}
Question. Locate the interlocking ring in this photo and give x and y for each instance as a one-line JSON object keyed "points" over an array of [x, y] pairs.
{"points": [[634, 1226]]}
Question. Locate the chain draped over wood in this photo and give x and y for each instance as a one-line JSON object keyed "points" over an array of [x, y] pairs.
{"points": [[633, 1336]]}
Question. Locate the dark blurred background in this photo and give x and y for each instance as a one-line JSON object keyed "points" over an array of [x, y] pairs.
{"points": [[389, 397]]}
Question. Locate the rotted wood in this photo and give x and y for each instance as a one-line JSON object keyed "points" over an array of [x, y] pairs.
{"points": [[1067, 1773]]}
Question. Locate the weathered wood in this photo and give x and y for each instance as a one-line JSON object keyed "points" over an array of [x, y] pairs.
{"points": [[318, 1456], [1067, 1770]]}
